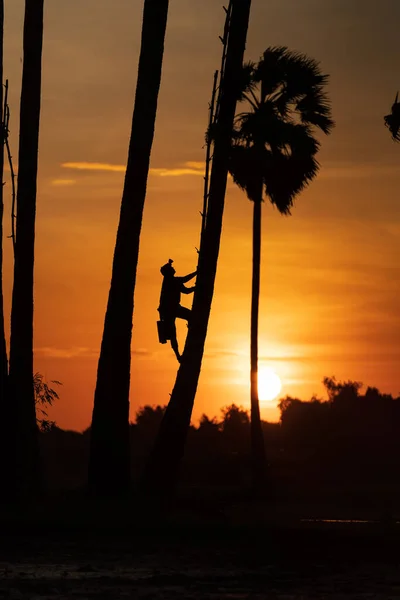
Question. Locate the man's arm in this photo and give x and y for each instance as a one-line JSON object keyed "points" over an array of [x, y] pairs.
{"points": [[188, 277], [186, 290]]}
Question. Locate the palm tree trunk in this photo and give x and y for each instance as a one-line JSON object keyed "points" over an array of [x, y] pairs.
{"points": [[161, 473], [257, 439], [3, 347], [109, 467], [21, 344]]}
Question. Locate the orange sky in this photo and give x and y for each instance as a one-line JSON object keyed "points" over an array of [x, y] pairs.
{"points": [[330, 273]]}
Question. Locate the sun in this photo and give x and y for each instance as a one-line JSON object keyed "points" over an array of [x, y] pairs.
{"points": [[269, 384]]}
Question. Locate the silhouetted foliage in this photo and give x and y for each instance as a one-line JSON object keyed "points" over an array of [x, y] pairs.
{"points": [[337, 390], [45, 396], [392, 121], [274, 145], [144, 430], [342, 451]]}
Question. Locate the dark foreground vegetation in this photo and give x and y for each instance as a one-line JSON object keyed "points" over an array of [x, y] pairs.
{"points": [[337, 458]]}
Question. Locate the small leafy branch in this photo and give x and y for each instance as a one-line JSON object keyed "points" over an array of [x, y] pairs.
{"points": [[45, 396]]}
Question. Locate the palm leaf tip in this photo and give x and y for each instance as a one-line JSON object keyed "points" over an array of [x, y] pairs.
{"points": [[392, 121]]}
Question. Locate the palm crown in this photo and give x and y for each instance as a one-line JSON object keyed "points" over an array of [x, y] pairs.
{"points": [[392, 121], [273, 144]]}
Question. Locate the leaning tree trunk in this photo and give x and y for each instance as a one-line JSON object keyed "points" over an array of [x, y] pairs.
{"points": [[109, 468], [257, 440], [161, 473], [22, 399], [3, 347]]}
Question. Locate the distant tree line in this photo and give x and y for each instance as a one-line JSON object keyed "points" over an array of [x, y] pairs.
{"points": [[341, 450]]}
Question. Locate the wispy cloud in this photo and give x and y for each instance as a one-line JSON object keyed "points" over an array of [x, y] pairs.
{"points": [[290, 358], [357, 171], [284, 359], [93, 166], [188, 168], [176, 172], [196, 164], [222, 354], [142, 352], [73, 352], [63, 182], [81, 352]]}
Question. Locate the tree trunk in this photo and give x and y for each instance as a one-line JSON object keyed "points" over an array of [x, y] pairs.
{"points": [[257, 440], [161, 473], [6, 472], [3, 346], [109, 467], [21, 345]]}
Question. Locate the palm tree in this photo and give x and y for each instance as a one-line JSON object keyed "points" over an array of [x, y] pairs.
{"points": [[161, 472], [392, 121], [109, 468], [273, 153], [22, 398]]}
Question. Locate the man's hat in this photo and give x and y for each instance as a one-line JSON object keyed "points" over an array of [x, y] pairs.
{"points": [[167, 268]]}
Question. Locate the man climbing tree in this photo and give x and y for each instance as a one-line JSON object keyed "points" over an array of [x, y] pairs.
{"points": [[170, 308]]}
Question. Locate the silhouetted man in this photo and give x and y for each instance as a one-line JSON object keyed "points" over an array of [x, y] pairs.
{"points": [[170, 308]]}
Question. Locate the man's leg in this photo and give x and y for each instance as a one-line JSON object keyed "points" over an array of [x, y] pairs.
{"points": [[173, 338], [183, 313]]}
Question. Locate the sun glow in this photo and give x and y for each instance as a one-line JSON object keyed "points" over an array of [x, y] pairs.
{"points": [[269, 384]]}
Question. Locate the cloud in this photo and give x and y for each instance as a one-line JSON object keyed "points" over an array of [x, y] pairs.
{"points": [[73, 352], [196, 164], [142, 352], [188, 168], [284, 359], [358, 171], [93, 166], [177, 172], [81, 352], [245, 355], [221, 354], [196, 168], [63, 182]]}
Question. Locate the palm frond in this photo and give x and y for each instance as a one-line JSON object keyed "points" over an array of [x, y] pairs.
{"points": [[283, 167], [392, 121], [287, 176], [246, 79], [315, 110], [274, 148], [291, 78], [244, 170]]}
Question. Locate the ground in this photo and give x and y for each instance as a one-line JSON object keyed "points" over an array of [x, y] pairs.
{"points": [[216, 560]]}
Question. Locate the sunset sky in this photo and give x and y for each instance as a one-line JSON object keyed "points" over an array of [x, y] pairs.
{"points": [[330, 272]]}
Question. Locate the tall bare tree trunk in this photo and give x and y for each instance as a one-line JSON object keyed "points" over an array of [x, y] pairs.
{"points": [[3, 346], [6, 470], [257, 438], [109, 468], [162, 470], [27, 468]]}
